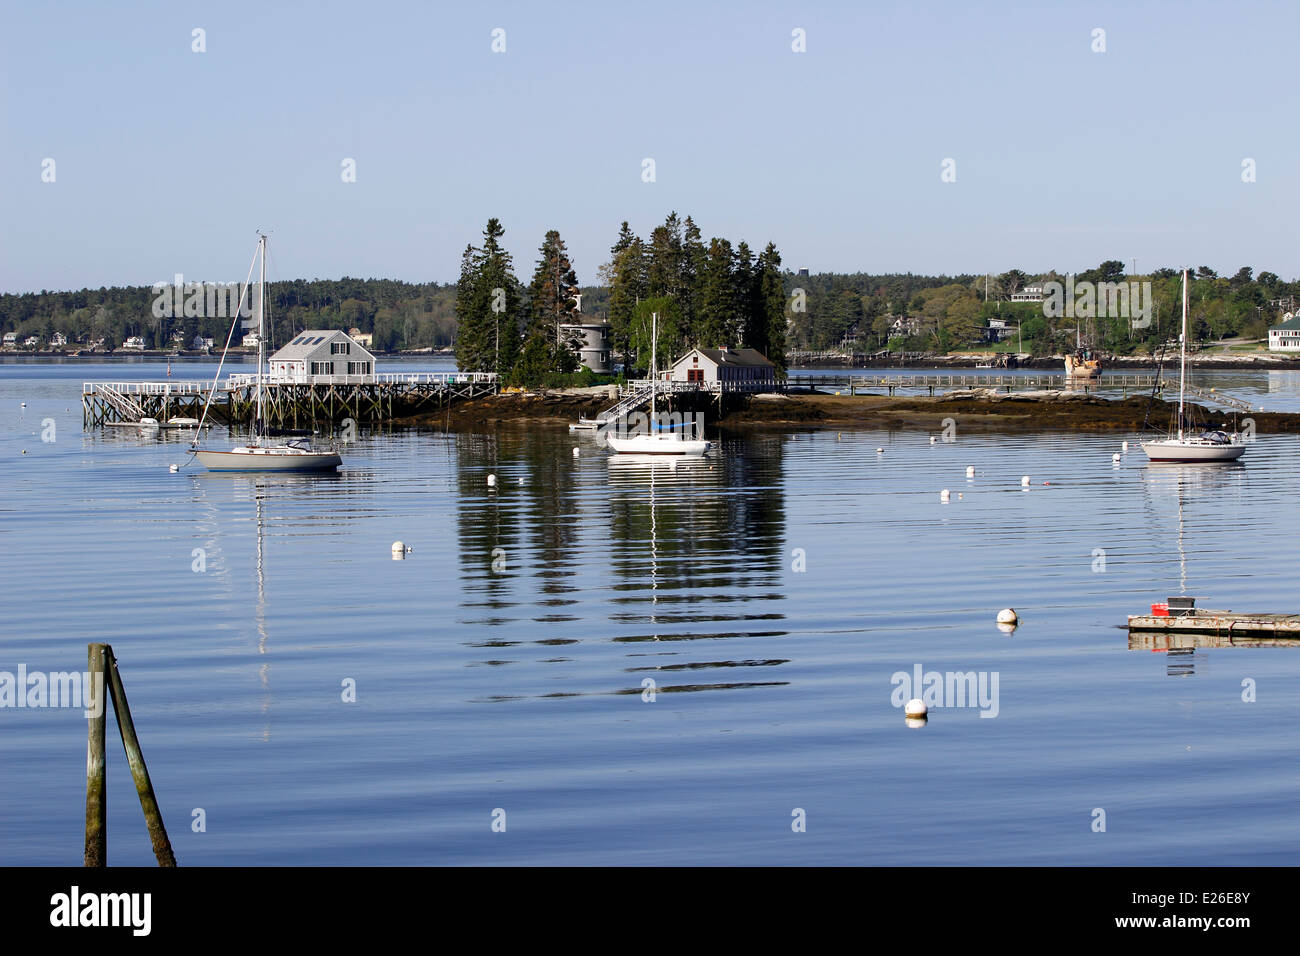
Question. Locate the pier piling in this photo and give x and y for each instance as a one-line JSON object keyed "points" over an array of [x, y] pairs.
{"points": [[96, 849]]}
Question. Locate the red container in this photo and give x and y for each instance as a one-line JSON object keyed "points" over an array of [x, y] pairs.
{"points": [[1159, 610]]}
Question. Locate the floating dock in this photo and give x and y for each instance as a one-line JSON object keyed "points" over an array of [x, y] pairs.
{"points": [[1218, 624]]}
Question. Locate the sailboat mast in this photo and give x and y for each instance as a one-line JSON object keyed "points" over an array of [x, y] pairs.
{"points": [[1182, 365], [261, 335], [654, 375]]}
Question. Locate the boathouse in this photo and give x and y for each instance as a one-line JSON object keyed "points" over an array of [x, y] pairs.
{"points": [[322, 353], [734, 369]]}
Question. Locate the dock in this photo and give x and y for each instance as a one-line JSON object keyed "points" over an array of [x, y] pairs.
{"points": [[1219, 625], [865, 384], [287, 403]]}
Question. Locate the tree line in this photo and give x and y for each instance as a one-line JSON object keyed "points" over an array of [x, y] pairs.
{"points": [[705, 294]]}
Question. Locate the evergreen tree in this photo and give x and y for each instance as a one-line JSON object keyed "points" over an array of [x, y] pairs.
{"points": [[717, 298], [627, 289], [489, 303], [770, 337], [553, 302]]}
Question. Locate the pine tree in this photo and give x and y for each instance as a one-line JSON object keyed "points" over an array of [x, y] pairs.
{"points": [[553, 302], [489, 301], [772, 302], [627, 289], [717, 297]]}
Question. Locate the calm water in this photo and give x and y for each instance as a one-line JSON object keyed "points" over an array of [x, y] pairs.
{"points": [[501, 665]]}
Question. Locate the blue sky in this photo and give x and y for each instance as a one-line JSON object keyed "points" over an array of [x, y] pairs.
{"points": [[167, 160]]}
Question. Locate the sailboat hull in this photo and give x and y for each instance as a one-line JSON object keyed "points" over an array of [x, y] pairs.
{"points": [[1175, 450], [267, 459], [658, 445]]}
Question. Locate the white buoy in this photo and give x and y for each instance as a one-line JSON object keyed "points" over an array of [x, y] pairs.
{"points": [[915, 721], [173, 468], [945, 495], [970, 471], [1115, 458], [1008, 616], [1024, 481], [916, 708], [960, 496], [24, 404], [575, 453], [1124, 446], [880, 451], [933, 439], [519, 481], [492, 481], [400, 551]]}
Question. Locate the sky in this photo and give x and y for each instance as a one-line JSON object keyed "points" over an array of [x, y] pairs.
{"points": [[167, 160]]}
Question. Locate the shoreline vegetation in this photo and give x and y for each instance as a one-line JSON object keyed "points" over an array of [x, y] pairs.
{"points": [[974, 410]]}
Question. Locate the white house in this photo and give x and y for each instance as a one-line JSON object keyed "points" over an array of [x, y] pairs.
{"points": [[321, 352], [58, 339], [366, 339], [11, 340], [135, 343], [743, 369], [32, 341], [251, 340], [1032, 292], [592, 339], [1285, 337], [201, 343]]}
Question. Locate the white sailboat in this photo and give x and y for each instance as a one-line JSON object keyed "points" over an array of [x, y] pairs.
{"points": [[1180, 444], [658, 441], [259, 454]]}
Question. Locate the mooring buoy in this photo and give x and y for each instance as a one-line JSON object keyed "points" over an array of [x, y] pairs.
{"points": [[916, 708], [970, 471], [945, 494], [1008, 616], [492, 481], [173, 468], [1024, 481]]}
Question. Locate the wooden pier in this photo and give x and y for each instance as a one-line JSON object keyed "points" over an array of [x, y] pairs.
{"points": [[286, 403], [865, 384]]}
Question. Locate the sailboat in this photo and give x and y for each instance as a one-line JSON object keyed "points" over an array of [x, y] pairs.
{"points": [[659, 440], [1084, 363], [1180, 444], [259, 454]]}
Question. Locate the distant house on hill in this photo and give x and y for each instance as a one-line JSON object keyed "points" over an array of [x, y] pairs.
{"points": [[321, 352], [744, 369], [365, 339], [251, 340], [58, 339], [11, 340], [135, 344], [32, 341], [1032, 292], [1286, 336]]}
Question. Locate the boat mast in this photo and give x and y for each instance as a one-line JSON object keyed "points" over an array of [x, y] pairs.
{"points": [[1182, 365], [654, 375], [261, 335]]}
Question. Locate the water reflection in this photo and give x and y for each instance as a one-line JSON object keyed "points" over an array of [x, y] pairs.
{"points": [[632, 550]]}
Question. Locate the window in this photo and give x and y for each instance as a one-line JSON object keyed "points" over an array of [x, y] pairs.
{"points": [[358, 368], [322, 368], [340, 348]]}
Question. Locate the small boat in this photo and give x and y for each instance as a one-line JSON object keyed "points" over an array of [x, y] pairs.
{"points": [[261, 454], [148, 425], [584, 425], [1082, 364], [1180, 444], [661, 440], [182, 423]]}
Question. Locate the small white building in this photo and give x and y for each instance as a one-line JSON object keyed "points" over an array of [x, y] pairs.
{"points": [[365, 339], [32, 341], [251, 340], [1032, 292], [58, 339], [592, 339], [321, 352], [742, 369], [11, 340], [1285, 337], [135, 343], [201, 343]]}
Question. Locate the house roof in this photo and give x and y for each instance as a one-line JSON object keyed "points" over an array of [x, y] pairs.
{"points": [[1289, 324], [736, 357], [305, 343]]}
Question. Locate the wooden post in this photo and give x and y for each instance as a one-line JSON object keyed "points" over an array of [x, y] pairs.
{"points": [[96, 796], [162, 847]]}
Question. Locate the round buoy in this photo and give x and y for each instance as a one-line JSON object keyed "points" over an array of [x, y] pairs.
{"points": [[1124, 446], [24, 404], [399, 546], [944, 495], [933, 439], [880, 451], [492, 481], [970, 471], [1024, 481], [173, 468], [1115, 457], [24, 451], [1008, 616], [519, 481], [960, 496], [916, 708], [575, 453]]}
